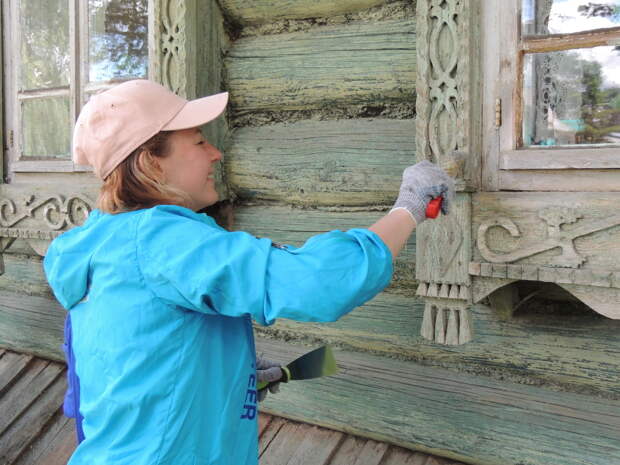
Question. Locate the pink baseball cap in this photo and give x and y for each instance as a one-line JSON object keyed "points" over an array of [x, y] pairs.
{"points": [[116, 122]]}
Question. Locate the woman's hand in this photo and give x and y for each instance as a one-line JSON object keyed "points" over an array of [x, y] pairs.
{"points": [[267, 371], [422, 183]]}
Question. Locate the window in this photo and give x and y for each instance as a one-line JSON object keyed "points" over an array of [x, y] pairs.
{"points": [[552, 95], [57, 54]]}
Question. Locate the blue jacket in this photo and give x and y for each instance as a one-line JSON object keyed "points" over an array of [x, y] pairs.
{"points": [[161, 302]]}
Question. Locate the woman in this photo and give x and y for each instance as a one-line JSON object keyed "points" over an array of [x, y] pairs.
{"points": [[160, 298]]}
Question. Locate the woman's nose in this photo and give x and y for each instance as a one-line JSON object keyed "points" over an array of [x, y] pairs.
{"points": [[216, 155]]}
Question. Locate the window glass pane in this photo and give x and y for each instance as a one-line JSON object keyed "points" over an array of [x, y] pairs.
{"points": [[46, 127], [118, 39], [572, 97], [566, 16], [45, 59]]}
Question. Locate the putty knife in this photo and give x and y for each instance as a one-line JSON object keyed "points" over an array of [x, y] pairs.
{"points": [[316, 363]]}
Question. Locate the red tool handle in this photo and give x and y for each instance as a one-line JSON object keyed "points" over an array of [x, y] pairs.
{"points": [[434, 206]]}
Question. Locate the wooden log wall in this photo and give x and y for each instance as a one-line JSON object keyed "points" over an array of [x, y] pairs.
{"points": [[322, 124]]}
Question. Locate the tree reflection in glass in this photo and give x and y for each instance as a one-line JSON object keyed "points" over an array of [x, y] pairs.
{"points": [[572, 97], [118, 39], [45, 59]]}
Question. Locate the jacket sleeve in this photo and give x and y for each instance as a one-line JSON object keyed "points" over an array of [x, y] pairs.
{"points": [[194, 265]]}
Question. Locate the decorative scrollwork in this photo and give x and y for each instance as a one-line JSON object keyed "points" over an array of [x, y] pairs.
{"points": [[173, 45], [440, 67], [555, 217], [57, 212]]}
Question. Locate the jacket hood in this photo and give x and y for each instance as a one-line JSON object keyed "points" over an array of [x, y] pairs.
{"points": [[67, 261]]}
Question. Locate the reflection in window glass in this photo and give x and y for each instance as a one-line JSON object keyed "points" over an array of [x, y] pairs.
{"points": [[543, 17], [572, 97], [45, 58], [118, 39], [46, 126]]}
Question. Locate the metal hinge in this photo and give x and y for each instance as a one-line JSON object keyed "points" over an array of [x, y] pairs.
{"points": [[498, 112], [11, 138]]}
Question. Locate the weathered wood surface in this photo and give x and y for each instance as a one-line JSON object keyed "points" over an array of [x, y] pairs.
{"points": [[346, 162], [263, 11], [31, 324], [451, 414], [600, 249], [560, 159], [294, 226], [445, 245], [561, 180], [577, 353], [353, 64], [280, 439]]}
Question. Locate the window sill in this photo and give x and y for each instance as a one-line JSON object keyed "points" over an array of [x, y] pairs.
{"points": [[49, 166], [561, 159]]}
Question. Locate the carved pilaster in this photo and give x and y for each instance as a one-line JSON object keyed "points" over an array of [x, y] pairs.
{"points": [[447, 120], [173, 60]]}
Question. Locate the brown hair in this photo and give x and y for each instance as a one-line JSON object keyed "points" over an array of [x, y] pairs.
{"points": [[137, 182]]}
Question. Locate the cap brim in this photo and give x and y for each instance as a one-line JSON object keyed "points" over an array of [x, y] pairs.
{"points": [[198, 112]]}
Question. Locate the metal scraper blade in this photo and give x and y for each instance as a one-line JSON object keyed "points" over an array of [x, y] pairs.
{"points": [[314, 364]]}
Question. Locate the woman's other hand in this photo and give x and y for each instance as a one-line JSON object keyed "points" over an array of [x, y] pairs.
{"points": [[267, 371]]}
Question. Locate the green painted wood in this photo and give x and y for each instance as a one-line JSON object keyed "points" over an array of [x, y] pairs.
{"points": [[24, 274], [353, 64], [295, 226], [346, 162], [263, 11], [451, 414], [31, 324], [578, 353]]}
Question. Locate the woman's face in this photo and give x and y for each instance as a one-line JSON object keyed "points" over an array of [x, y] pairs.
{"points": [[190, 166]]}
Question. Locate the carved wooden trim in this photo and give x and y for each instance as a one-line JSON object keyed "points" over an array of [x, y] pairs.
{"points": [[446, 120], [597, 278], [173, 60], [53, 212], [444, 291], [555, 217]]}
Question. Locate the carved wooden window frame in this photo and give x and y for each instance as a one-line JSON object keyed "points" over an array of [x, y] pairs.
{"points": [[505, 165], [78, 87]]}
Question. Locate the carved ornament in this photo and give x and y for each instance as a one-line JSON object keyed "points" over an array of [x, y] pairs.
{"points": [[555, 217], [55, 212]]}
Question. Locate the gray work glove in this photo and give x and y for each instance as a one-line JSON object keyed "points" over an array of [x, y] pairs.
{"points": [[267, 370], [422, 183]]}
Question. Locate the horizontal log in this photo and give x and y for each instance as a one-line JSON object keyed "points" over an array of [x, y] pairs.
{"points": [[353, 64], [263, 11], [24, 274], [345, 162], [442, 412], [578, 353], [294, 226]]}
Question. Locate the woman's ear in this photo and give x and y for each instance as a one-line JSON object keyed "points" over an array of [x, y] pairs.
{"points": [[151, 166]]}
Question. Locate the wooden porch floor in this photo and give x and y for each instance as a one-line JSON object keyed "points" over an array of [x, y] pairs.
{"points": [[33, 430]]}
